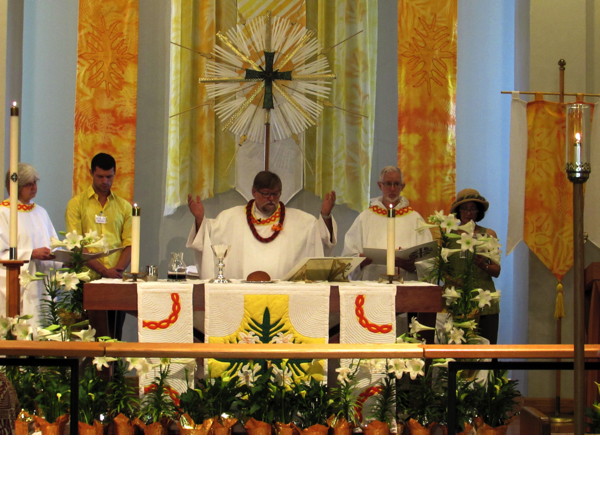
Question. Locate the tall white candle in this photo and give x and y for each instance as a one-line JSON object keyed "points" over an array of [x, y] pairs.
{"points": [[14, 174], [391, 242], [577, 148], [135, 239]]}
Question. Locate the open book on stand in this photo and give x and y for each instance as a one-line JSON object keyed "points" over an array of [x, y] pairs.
{"points": [[416, 253], [324, 269]]}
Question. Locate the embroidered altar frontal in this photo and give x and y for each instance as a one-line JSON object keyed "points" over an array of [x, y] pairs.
{"points": [[267, 313]]}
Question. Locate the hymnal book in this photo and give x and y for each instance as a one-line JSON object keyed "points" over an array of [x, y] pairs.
{"points": [[66, 256], [324, 269], [416, 253]]}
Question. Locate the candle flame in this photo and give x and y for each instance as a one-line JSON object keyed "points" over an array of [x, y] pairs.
{"points": [[14, 104], [577, 137]]}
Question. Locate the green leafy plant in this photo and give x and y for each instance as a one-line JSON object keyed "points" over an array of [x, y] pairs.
{"points": [[344, 395], [314, 405], [159, 401], [495, 401], [53, 393], [92, 396], [121, 395]]}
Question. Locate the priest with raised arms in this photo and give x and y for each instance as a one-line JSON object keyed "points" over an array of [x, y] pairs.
{"points": [[264, 235]]}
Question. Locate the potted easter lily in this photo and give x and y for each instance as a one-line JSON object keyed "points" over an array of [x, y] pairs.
{"points": [[345, 415]]}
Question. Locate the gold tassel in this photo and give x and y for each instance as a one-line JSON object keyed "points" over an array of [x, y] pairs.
{"points": [[559, 307]]}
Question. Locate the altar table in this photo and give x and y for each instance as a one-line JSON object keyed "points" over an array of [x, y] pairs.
{"points": [[108, 294], [111, 294]]}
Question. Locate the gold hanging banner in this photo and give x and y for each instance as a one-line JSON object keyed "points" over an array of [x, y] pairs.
{"points": [[106, 90], [427, 48]]}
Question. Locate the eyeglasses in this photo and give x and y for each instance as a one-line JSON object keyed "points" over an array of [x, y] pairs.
{"points": [[392, 184], [267, 194]]}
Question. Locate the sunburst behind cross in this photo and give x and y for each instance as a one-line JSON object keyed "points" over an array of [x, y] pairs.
{"points": [[269, 79]]}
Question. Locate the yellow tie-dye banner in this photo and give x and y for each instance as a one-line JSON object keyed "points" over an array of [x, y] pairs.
{"points": [[106, 90], [339, 149], [548, 208], [427, 47], [292, 10]]}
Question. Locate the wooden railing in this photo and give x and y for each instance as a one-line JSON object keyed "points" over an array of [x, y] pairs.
{"points": [[292, 351]]}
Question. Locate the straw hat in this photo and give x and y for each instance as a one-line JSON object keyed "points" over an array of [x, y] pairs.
{"points": [[470, 195]]}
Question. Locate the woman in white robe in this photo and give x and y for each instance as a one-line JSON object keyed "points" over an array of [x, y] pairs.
{"points": [[33, 242]]}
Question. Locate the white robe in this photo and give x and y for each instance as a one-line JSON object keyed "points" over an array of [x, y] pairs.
{"points": [[302, 236], [369, 230], [34, 231]]}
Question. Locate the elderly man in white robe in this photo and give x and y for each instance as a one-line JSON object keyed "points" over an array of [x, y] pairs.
{"points": [[264, 235], [35, 230], [369, 229]]}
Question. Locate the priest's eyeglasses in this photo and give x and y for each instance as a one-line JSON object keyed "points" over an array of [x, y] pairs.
{"points": [[390, 184], [268, 194]]}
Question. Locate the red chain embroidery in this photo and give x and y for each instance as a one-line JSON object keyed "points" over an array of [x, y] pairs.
{"points": [[359, 302], [166, 323], [21, 207], [362, 398], [383, 211], [277, 228]]}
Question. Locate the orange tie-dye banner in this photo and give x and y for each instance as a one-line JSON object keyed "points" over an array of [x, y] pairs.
{"points": [[548, 209], [427, 47], [106, 90]]}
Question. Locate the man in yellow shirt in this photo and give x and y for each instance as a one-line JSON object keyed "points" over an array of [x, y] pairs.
{"points": [[98, 208]]}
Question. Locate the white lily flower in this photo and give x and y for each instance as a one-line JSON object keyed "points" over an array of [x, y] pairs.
{"points": [[86, 335], [343, 376], [23, 331], [68, 281], [72, 240], [55, 242], [83, 276], [469, 227], [457, 336], [451, 295], [415, 367], [141, 365], [467, 242], [447, 252], [416, 327], [483, 297], [449, 223], [102, 362], [25, 277], [248, 374]]}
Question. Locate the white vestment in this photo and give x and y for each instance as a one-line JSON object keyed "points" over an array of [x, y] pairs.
{"points": [[34, 231], [369, 230], [302, 236]]}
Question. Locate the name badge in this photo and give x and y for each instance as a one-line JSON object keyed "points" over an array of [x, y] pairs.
{"points": [[100, 219]]}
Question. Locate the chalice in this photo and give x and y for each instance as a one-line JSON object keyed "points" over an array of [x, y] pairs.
{"points": [[220, 252]]}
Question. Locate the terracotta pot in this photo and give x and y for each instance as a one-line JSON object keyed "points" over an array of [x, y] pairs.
{"points": [[23, 424], [96, 429], [340, 426], [187, 426], [377, 428], [258, 427], [122, 426], [55, 428], [222, 426], [282, 429], [154, 429], [416, 428], [315, 430]]}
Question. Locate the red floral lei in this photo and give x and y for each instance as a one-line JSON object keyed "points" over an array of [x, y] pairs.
{"points": [[277, 228], [383, 211], [21, 207]]}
